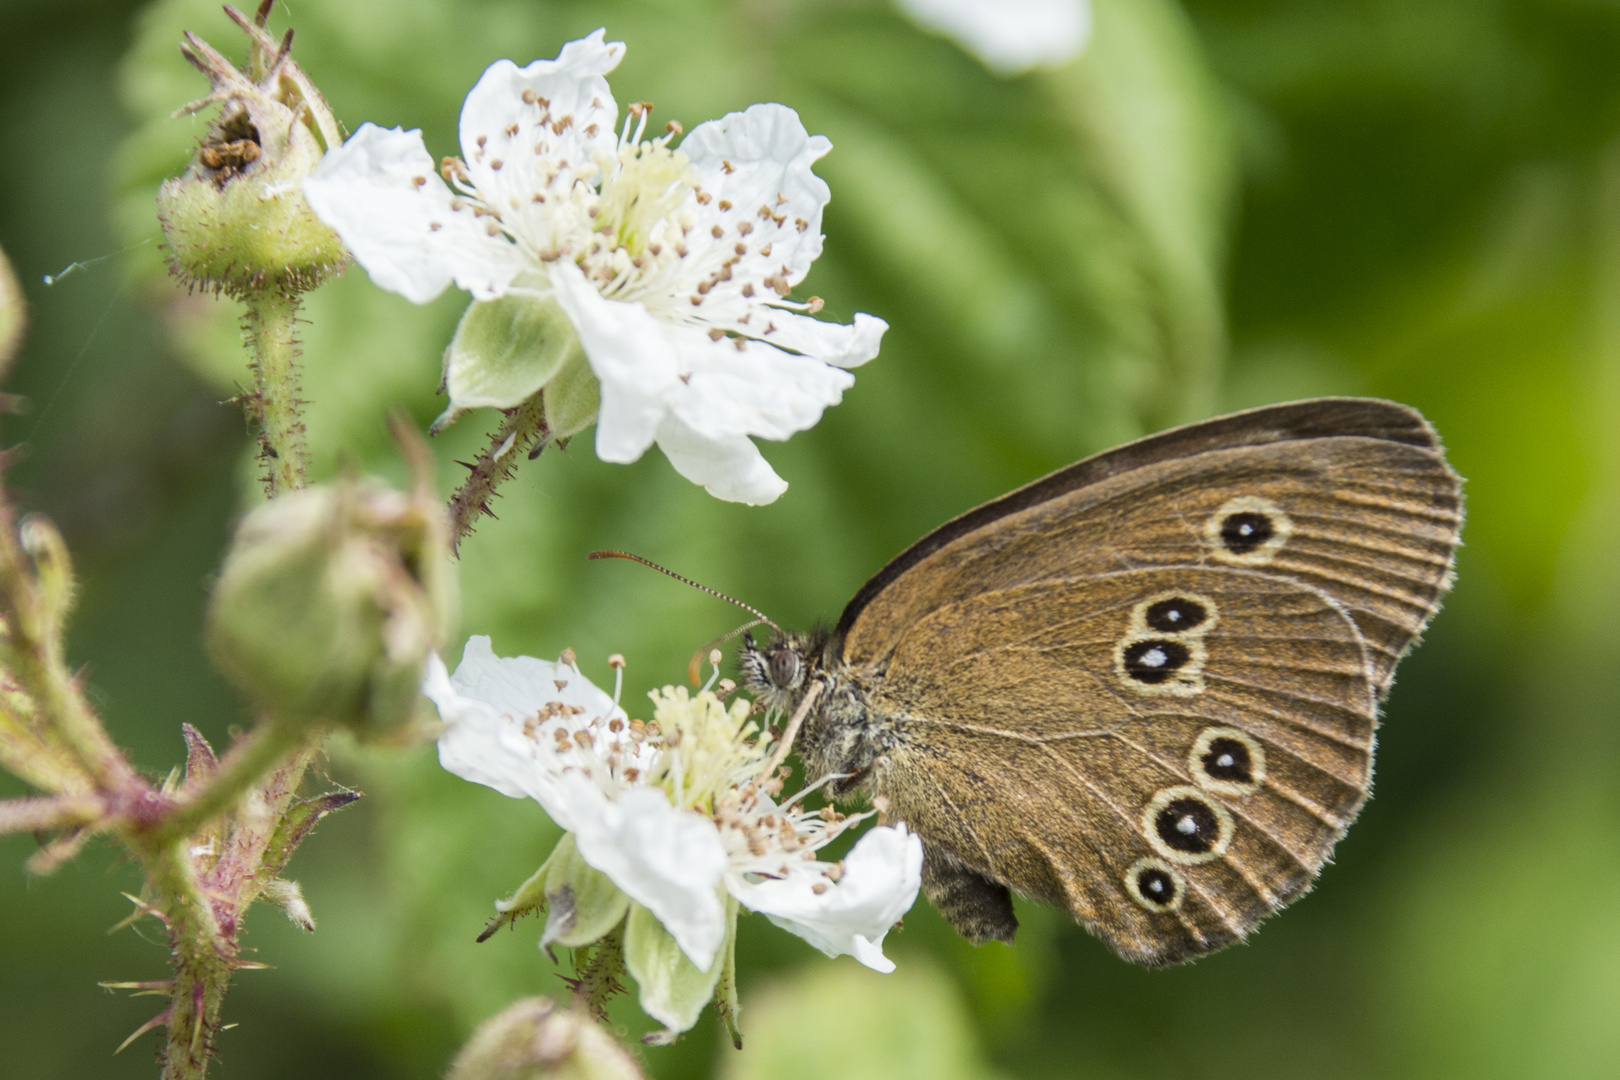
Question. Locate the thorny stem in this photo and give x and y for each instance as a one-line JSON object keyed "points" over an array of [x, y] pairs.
{"points": [[274, 403], [523, 432], [597, 968], [203, 894], [251, 757], [203, 959]]}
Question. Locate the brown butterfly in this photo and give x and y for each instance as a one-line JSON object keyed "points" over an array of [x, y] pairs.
{"points": [[1144, 688]]}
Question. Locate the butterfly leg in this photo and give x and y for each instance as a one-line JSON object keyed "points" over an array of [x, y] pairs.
{"points": [[980, 909]]}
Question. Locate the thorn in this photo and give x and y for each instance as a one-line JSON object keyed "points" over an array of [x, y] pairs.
{"points": [[160, 1018], [141, 908], [252, 965], [469, 466], [197, 1011], [164, 986]]}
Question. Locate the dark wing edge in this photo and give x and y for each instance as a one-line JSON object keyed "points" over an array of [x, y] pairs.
{"points": [[1317, 418]]}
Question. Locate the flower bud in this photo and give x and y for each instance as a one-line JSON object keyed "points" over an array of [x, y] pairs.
{"points": [[13, 314], [54, 588], [505, 351], [236, 219], [536, 1040], [330, 601]]}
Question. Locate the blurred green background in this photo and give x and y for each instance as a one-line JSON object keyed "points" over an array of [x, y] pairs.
{"points": [[1221, 204]]}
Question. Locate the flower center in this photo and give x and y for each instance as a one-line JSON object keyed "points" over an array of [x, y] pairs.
{"points": [[708, 748], [641, 194]]}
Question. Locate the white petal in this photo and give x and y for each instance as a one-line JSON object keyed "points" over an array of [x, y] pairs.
{"points": [[520, 685], [833, 343], [730, 468], [752, 390], [382, 194], [485, 706], [634, 362], [669, 861], [882, 874], [1009, 36], [484, 746], [569, 94], [758, 161]]}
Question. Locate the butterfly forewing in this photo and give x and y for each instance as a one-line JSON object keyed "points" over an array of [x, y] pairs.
{"points": [[1145, 688]]}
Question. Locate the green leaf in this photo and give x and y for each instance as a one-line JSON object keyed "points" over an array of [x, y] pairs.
{"points": [[572, 398], [673, 989], [505, 350], [583, 903]]}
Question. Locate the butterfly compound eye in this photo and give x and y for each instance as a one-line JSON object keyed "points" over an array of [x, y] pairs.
{"points": [[786, 669]]}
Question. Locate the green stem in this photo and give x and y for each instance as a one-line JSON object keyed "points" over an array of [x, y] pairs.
{"points": [[523, 431], [203, 958], [275, 403], [204, 912], [597, 971]]}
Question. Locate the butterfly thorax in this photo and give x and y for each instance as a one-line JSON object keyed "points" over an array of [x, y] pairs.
{"points": [[840, 735]]}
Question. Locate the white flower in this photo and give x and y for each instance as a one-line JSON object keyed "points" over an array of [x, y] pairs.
{"points": [[1009, 36], [671, 811], [673, 265]]}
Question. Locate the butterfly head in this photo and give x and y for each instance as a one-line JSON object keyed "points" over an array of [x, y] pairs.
{"points": [[776, 671]]}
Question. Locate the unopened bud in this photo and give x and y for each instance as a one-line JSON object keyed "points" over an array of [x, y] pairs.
{"points": [[53, 576], [330, 601], [236, 219], [536, 1040], [13, 314]]}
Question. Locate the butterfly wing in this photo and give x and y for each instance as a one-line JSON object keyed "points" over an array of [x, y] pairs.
{"points": [[1146, 689], [1355, 494]]}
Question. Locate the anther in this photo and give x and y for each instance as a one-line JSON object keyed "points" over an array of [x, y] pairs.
{"points": [[673, 128], [569, 658], [815, 305], [616, 661], [528, 97]]}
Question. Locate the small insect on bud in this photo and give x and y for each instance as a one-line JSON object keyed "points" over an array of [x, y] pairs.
{"points": [[236, 219]]}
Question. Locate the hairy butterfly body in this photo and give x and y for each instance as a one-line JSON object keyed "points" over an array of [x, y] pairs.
{"points": [[1145, 687]]}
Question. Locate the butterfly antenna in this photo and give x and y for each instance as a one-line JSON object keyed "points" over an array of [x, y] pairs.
{"points": [[695, 667], [755, 612]]}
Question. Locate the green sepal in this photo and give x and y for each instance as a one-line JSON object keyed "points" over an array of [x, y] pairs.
{"points": [[583, 903], [572, 398], [673, 989], [726, 1002], [504, 351]]}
